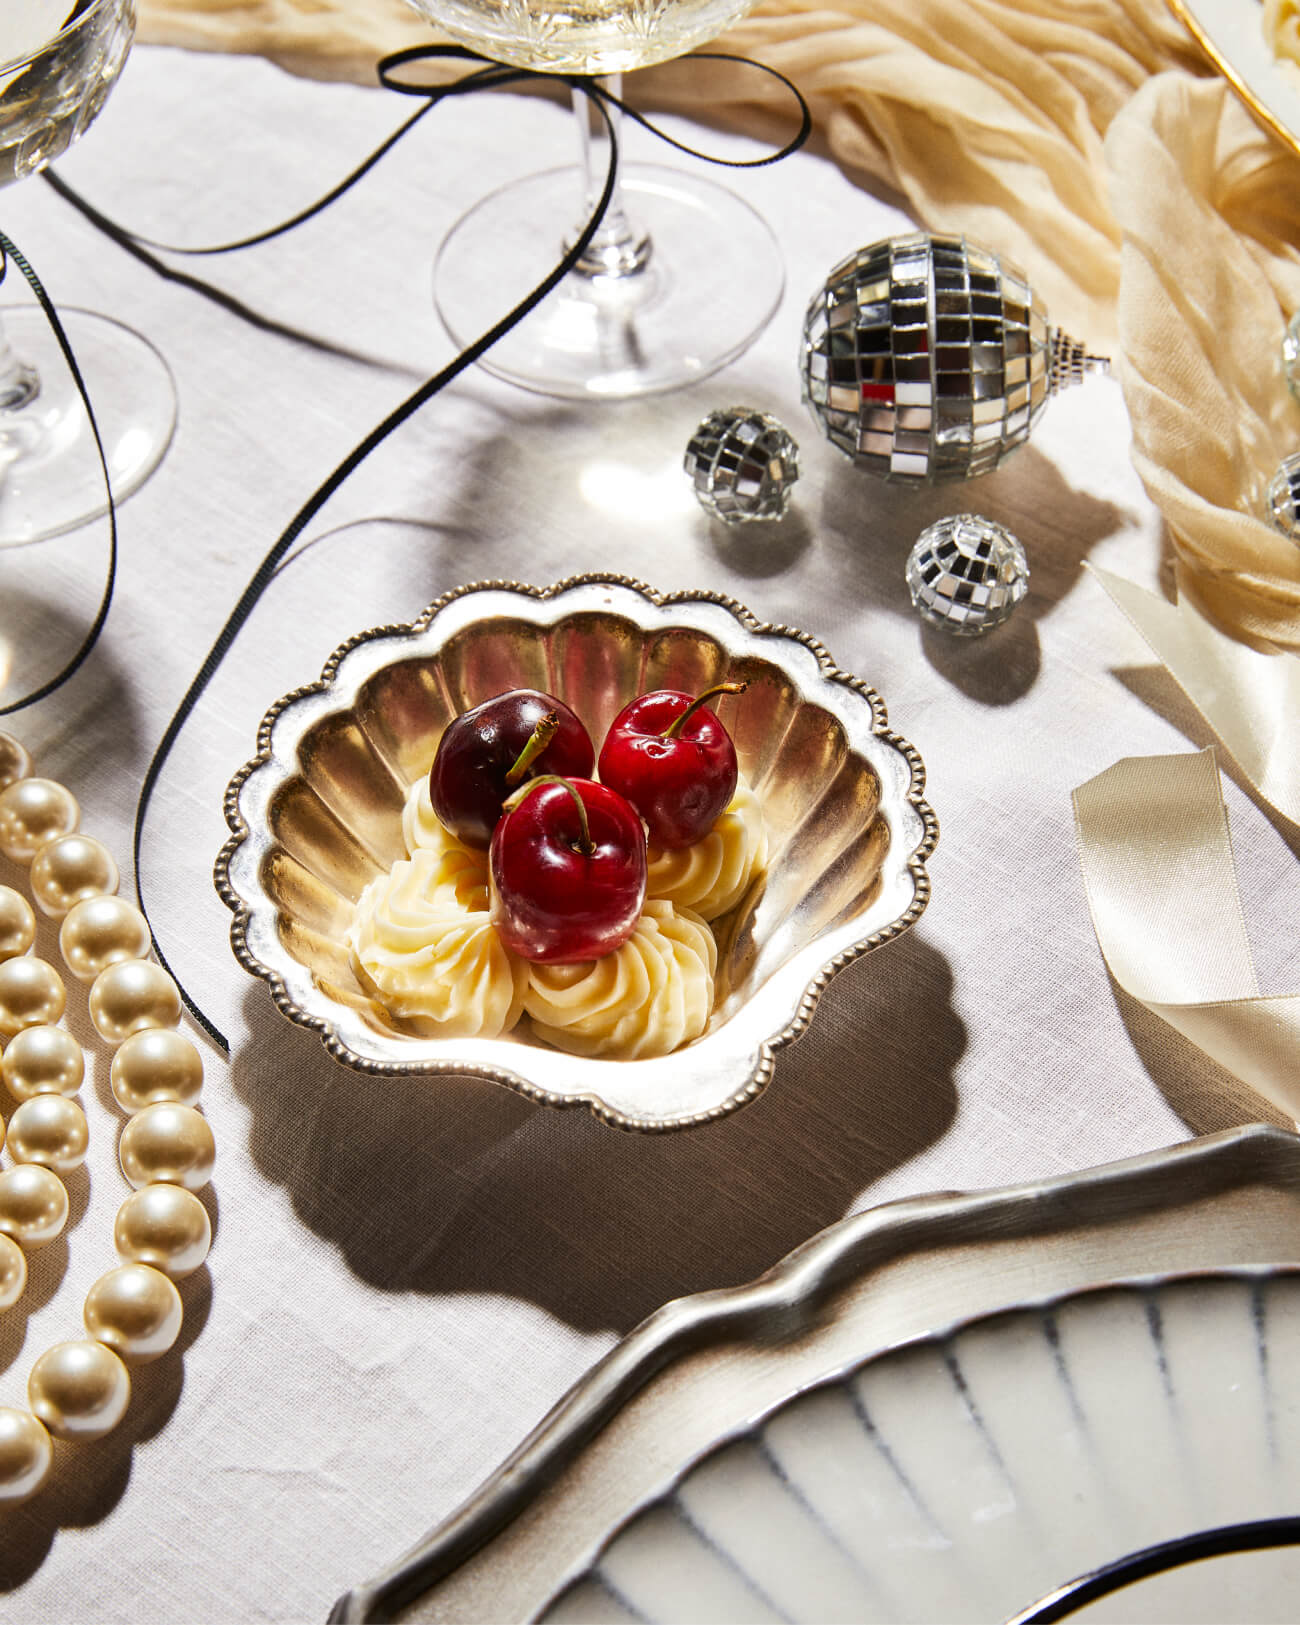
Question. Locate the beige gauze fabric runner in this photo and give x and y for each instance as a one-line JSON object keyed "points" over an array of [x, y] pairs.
{"points": [[1210, 209], [1058, 132]]}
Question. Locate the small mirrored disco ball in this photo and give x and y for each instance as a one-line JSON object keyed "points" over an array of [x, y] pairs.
{"points": [[1282, 499], [1291, 355], [966, 574], [927, 359], [743, 465]]}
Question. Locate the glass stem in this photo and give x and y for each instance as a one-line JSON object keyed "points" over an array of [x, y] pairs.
{"points": [[19, 383], [618, 249]]}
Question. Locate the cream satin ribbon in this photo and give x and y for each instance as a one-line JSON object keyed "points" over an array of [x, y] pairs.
{"points": [[1250, 699], [1157, 858]]}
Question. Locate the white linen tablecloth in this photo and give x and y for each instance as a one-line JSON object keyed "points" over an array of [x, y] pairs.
{"points": [[406, 1275]]}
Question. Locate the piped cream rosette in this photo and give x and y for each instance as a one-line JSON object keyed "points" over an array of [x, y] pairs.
{"points": [[422, 828], [711, 875], [648, 997], [1282, 29], [422, 942]]}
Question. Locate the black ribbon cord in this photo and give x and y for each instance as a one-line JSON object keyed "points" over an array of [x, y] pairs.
{"points": [[489, 76]]}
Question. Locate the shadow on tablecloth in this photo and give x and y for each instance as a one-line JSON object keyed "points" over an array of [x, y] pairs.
{"points": [[456, 1185]]}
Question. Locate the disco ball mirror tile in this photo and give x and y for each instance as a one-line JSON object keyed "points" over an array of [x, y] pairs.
{"points": [[928, 359]]}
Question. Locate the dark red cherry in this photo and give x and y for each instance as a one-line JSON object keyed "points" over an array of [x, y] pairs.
{"points": [[674, 761], [568, 870], [489, 751]]}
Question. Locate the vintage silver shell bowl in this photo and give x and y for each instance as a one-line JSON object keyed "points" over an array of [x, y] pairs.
{"points": [[316, 814]]}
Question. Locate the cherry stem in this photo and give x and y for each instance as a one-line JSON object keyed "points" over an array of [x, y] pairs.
{"points": [[538, 740], [585, 843], [678, 723]]}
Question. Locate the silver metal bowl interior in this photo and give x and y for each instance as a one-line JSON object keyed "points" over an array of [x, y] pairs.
{"points": [[316, 814]]}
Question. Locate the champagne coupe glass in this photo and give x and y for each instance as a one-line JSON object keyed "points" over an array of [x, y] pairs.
{"points": [[682, 276], [58, 61]]}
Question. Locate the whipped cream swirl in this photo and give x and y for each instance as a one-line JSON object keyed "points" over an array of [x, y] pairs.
{"points": [[1282, 28], [711, 876], [422, 830], [646, 998], [423, 943]]}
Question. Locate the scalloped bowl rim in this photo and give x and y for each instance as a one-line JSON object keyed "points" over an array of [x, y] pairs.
{"points": [[730, 1065]]}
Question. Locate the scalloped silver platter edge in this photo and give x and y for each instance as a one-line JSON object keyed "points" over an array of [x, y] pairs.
{"points": [[968, 1428], [703, 1367], [732, 1063]]}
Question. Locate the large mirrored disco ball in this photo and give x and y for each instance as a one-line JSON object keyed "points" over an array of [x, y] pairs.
{"points": [[742, 464], [926, 359]]}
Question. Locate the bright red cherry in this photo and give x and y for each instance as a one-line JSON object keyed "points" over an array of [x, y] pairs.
{"points": [[568, 871], [674, 761], [487, 752]]}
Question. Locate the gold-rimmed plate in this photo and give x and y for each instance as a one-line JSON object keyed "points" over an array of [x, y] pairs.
{"points": [[316, 814], [1231, 33]]}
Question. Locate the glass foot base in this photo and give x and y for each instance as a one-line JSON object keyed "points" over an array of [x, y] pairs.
{"points": [[50, 478], [712, 283]]}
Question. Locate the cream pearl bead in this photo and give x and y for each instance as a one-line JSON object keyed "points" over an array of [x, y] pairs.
{"points": [[15, 763], [166, 1226], [33, 811], [79, 1390], [135, 1310], [33, 1204], [70, 869], [13, 1272], [167, 1144], [17, 923], [155, 1065], [31, 995], [49, 1131], [25, 1454], [100, 932], [128, 997], [43, 1060]]}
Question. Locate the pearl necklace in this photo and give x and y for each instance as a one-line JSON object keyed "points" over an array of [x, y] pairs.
{"points": [[80, 1389]]}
